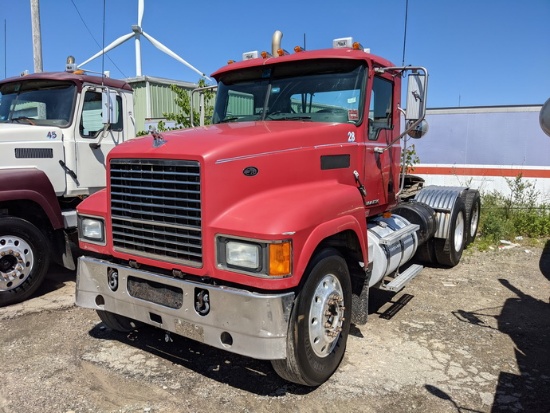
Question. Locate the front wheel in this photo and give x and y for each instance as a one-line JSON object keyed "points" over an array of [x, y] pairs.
{"points": [[24, 259], [319, 323], [117, 322]]}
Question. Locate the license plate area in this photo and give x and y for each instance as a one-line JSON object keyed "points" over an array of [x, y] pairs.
{"points": [[154, 292]]}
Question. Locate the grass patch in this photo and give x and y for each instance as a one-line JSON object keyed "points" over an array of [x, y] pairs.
{"points": [[509, 216]]}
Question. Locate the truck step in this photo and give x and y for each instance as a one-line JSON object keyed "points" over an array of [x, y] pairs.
{"points": [[399, 234], [402, 279]]}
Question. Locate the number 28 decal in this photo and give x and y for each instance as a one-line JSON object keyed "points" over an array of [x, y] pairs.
{"points": [[351, 136]]}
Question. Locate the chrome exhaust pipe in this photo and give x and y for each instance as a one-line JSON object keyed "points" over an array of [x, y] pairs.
{"points": [[276, 42]]}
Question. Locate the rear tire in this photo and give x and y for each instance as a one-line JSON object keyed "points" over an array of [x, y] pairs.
{"points": [[319, 322], [449, 251], [472, 203], [24, 259], [117, 322]]}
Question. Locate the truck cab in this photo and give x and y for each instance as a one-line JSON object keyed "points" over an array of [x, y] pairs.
{"points": [[56, 130], [262, 233]]}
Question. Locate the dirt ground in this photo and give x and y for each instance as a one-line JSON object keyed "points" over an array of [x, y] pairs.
{"points": [[474, 338]]}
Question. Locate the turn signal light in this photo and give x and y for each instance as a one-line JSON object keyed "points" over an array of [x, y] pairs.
{"points": [[279, 259]]}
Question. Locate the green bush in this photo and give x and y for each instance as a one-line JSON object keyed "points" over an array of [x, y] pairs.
{"points": [[517, 214]]}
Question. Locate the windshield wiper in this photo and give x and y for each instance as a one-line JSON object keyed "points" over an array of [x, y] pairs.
{"points": [[20, 118], [289, 117], [232, 119]]}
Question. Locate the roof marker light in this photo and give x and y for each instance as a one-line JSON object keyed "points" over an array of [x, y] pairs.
{"points": [[298, 49]]}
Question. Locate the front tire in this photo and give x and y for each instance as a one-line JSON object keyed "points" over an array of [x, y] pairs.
{"points": [[24, 259], [117, 322], [319, 322]]}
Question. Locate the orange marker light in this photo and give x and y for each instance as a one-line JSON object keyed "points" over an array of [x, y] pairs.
{"points": [[279, 259], [265, 55], [298, 49]]}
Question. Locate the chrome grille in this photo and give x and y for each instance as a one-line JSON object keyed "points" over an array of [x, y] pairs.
{"points": [[156, 209]]}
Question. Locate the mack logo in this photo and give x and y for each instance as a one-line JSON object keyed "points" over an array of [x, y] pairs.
{"points": [[250, 171]]}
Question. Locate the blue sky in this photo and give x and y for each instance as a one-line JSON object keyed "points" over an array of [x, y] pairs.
{"points": [[478, 52]]}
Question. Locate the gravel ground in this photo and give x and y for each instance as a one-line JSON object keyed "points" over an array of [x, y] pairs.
{"points": [[473, 338]]}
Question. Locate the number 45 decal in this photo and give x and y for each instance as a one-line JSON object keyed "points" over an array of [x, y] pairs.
{"points": [[51, 135], [351, 136]]}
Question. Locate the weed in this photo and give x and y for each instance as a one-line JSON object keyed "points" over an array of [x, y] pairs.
{"points": [[516, 214]]}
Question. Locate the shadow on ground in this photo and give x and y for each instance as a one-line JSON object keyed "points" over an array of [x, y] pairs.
{"points": [[56, 278], [526, 320], [253, 376]]}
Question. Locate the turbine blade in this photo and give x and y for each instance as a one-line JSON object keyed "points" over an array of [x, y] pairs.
{"points": [[141, 7], [114, 44], [170, 53]]}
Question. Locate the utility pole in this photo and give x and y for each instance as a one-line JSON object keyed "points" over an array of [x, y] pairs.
{"points": [[36, 36]]}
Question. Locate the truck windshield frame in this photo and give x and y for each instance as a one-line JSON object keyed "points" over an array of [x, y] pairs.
{"points": [[320, 90], [38, 102]]}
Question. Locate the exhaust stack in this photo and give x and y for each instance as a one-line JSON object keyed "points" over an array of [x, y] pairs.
{"points": [[276, 42]]}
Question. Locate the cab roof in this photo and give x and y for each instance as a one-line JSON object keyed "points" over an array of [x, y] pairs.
{"points": [[78, 79]]}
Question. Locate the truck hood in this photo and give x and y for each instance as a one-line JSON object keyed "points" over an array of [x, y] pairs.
{"points": [[21, 132], [223, 142]]}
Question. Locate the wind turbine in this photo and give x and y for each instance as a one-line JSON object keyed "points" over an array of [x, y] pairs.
{"points": [[137, 31]]}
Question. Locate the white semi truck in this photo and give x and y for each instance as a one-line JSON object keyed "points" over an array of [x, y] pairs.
{"points": [[55, 132]]}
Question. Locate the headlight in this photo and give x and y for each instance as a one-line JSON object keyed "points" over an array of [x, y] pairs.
{"points": [[91, 230], [243, 255], [254, 257]]}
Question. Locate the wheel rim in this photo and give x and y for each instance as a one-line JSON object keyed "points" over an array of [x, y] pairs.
{"points": [[16, 262], [459, 232], [474, 220], [326, 315]]}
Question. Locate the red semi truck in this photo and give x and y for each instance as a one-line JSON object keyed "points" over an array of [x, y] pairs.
{"points": [[262, 233]]}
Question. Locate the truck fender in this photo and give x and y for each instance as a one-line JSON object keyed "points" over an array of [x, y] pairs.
{"points": [[324, 231], [318, 212], [31, 184]]}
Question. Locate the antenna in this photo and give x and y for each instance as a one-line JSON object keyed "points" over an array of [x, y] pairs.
{"points": [[136, 33], [103, 44], [405, 31]]}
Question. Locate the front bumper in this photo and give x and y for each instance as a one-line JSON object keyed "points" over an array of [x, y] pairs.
{"points": [[239, 321]]}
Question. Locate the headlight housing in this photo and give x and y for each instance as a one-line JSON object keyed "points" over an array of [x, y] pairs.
{"points": [[91, 229], [254, 257]]}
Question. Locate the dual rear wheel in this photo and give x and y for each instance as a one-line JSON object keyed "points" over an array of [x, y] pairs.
{"points": [[463, 225]]}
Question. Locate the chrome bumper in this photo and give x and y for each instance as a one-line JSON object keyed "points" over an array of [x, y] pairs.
{"points": [[238, 321]]}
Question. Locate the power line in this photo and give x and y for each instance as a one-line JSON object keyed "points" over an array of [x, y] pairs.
{"points": [[92, 35]]}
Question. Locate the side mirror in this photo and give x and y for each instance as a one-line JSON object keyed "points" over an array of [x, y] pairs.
{"points": [[544, 117], [108, 102], [416, 96], [419, 130]]}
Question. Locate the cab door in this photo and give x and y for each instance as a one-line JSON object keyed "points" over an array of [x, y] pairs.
{"points": [[379, 173], [94, 139]]}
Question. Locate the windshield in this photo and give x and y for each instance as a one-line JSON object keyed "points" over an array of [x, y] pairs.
{"points": [[37, 102], [329, 90]]}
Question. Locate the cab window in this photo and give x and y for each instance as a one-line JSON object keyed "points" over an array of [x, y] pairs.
{"points": [[380, 110], [91, 121]]}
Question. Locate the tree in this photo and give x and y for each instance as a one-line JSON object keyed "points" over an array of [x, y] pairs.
{"points": [[183, 101]]}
